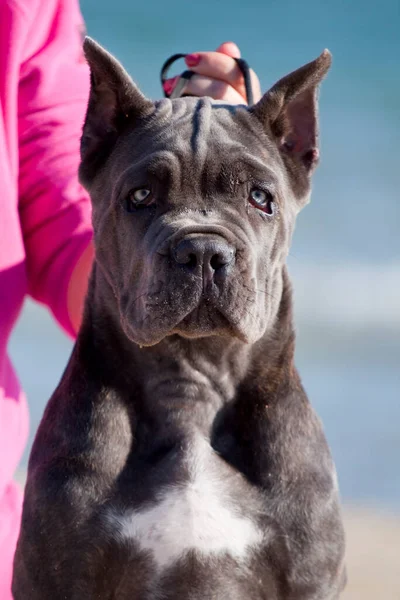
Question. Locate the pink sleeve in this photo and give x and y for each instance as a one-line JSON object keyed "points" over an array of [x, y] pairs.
{"points": [[54, 209]]}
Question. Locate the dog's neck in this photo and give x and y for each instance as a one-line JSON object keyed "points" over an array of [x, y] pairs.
{"points": [[180, 384]]}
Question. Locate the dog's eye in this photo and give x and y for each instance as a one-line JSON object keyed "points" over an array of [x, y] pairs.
{"points": [[263, 200], [137, 199]]}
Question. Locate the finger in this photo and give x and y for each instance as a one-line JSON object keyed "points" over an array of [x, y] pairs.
{"points": [[230, 49], [220, 66], [214, 64], [214, 88]]}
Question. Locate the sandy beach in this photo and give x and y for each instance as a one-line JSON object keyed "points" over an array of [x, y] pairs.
{"points": [[373, 556]]}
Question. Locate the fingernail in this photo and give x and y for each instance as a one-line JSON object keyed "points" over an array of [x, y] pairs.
{"points": [[192, 59], [169, 84]]}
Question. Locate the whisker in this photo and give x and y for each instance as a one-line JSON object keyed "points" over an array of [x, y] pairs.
{"points": [[138, 298], [259, 291]]}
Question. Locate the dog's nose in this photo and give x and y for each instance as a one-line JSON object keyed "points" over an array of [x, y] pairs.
{"points": [[208, 253]]}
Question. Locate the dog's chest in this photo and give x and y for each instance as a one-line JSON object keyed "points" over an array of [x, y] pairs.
{"points": [[206, 515]]}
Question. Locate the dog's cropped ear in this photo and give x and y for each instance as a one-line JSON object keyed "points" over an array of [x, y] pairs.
{"points": [[114, 101], [290, 111]]}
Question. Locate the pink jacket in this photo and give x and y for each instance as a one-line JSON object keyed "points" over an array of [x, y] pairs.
{"points": [[44, 213]]}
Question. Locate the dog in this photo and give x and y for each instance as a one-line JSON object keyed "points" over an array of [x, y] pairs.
{"points": [[179, 458]]}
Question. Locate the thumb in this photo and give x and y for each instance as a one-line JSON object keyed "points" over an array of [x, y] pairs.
{"points": [[230, 49]]}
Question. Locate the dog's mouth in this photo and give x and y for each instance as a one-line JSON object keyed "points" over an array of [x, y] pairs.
{"points": [[204, 321], [191, 310]]}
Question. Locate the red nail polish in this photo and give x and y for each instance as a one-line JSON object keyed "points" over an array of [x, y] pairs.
{"points": [[192, 59], [169, 84]]}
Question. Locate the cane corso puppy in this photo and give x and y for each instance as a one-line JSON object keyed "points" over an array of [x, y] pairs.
{"points": [[179, 458]]}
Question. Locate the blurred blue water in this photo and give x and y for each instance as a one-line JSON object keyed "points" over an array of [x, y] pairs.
{"points": [[356, 209], [345, 257]]}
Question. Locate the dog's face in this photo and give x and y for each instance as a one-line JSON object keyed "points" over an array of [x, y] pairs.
{"points": [[194, 201]]}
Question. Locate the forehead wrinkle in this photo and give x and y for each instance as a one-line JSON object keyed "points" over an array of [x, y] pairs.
{"points": [[158, 160], [253, 162], [183, 128], [163, 159], [189, 136], [241, 168], [201, 126]]}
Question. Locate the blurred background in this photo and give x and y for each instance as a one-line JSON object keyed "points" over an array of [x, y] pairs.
{"points": [[345, 258]]}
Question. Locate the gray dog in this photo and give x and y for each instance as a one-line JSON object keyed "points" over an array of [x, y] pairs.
{"points": [[179, 457]]}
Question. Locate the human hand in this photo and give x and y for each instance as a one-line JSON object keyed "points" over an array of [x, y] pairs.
{"points": [[217, 75]]}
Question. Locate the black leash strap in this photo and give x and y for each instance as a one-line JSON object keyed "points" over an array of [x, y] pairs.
{"points": [[186, 75], [245, 69]]}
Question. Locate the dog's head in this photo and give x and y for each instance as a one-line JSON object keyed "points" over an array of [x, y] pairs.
{"points": [[194, 201]]}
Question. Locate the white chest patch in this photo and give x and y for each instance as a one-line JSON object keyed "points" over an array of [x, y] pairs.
{"points": [[195, 516]]}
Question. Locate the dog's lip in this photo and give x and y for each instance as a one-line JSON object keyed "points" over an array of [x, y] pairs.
{"points": [[191, 318], [187, 326]]}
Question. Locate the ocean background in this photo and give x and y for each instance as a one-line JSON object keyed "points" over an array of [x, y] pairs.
{"points": [[345, 257]]}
